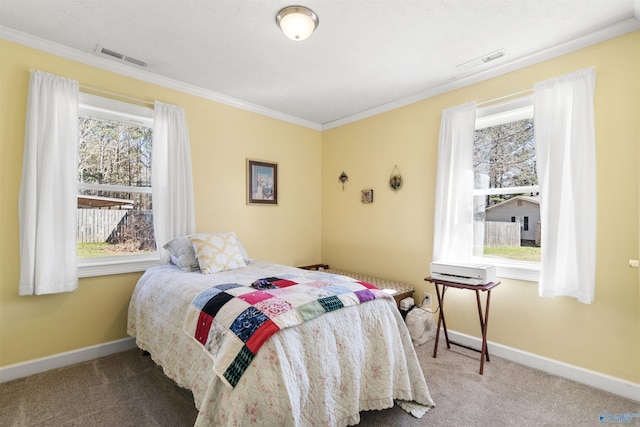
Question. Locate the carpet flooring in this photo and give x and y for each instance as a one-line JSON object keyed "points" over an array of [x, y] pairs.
{"points": [[128, 389]]}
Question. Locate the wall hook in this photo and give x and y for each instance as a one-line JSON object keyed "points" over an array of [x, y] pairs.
{"points": [[395, 180], [343, 178]]}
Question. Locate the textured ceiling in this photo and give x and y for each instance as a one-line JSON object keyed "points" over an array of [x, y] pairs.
{"points": [[365, 53]]}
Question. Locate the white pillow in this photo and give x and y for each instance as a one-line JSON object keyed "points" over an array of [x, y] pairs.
{"points": [[184, 256], [217, 251]]}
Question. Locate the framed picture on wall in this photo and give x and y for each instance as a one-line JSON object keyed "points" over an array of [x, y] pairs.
{"points": [[262, 182], [367, 196]]}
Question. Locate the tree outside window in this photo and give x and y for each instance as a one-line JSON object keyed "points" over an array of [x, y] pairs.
{"points": [[505, 187], [115, 215]]}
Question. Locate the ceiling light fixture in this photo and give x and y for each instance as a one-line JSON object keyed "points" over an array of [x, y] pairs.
{"points": [[297, 22]]}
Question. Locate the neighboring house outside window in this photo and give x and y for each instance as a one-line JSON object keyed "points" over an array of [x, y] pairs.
{"points": [[521, 209], [506, 206], [115, 216]]}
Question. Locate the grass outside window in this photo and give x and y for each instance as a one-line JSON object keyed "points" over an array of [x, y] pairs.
{"points": [[517, 253]]}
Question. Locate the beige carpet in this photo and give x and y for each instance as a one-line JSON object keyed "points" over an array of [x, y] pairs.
{"points": [[128, 389]]}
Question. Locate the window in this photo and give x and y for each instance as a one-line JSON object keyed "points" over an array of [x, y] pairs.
{"points": [[506, 189], [115, 216]]}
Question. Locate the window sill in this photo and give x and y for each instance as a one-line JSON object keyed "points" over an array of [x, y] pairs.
{"points": [[519, 270], [104, 266]]}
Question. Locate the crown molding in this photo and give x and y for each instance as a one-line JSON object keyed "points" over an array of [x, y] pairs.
{"points": [[615, 30], [28, 40], [621, 28]]}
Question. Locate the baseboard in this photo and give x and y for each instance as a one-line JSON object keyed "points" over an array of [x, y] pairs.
{"points": [[591, 378], [19, 370]]}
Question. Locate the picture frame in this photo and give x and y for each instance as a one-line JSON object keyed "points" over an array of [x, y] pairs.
{"points": [[262, 182], [367, 196]]}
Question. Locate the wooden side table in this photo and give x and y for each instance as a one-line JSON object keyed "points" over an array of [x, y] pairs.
{"points": [[484, 319]]}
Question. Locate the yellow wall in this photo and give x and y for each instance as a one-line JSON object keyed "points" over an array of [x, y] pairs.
{"points": [[393, 237], [222, 138]]}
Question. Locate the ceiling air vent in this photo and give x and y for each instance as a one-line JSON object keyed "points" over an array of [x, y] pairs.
{"points": [[481, 60], [117, 55], [493, 56]]}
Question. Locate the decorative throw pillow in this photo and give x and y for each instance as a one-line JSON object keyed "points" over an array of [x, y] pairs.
{"points": [[184, 256], [217, 251]]}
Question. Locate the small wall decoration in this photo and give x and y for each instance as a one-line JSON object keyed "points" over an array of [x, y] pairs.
{"points": [[395, 180], [343, 178], [367, 196], [262, 182]]}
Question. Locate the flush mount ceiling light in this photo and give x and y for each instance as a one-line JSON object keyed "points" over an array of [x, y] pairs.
{"points": [[297, 22]]}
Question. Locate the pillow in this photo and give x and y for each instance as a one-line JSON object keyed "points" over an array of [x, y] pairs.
{"points": [[217, 251], [245, 255], [184, 256]]}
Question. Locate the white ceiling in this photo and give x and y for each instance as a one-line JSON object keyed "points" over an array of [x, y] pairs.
{"points": [[365, 56]]}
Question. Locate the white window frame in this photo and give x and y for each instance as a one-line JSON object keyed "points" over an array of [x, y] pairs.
{"points": [[492, 115], [110, 109]]}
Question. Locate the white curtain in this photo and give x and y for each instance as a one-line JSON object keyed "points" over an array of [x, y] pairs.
{"points": [[173, 206], [47, 200], [453, 222], [566, 162]]}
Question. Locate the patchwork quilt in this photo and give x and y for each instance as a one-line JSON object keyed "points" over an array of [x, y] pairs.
{"points": [[232, 321]]}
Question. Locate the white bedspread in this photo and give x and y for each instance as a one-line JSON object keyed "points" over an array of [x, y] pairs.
{"points": [[322, 373]]}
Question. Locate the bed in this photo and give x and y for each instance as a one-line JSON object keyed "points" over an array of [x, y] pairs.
{"points": [[324, 371]]}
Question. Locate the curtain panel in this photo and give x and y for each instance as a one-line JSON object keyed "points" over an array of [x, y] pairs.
{"points": [[48, 190], [566, 163], [453, 217], [173, 202]]}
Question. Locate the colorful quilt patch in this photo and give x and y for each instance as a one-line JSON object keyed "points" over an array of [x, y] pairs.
{"points": [[232, 321], [238, 366], [255, 297], [330, 303]]}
